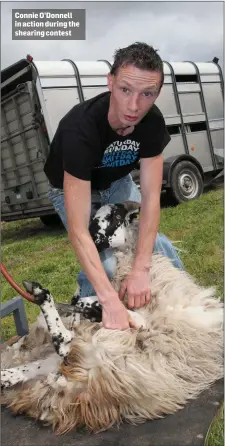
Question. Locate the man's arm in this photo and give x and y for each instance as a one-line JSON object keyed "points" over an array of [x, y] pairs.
{"points": [[137, 283], [151, 170], [77, 195]]}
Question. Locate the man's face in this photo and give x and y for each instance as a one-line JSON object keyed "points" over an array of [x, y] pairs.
{"points": [[133, 92]]}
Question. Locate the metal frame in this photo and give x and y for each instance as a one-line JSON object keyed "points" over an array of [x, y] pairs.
{"points": [[77, 76], [177, 99], [107, 63], [15, 76], [16, 306], [205, 111], [221, 77]]}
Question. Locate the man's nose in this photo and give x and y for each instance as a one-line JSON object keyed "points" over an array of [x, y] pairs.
{"points": [[133, 104]]}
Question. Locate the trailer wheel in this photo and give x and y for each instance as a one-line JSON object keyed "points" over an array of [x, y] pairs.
{"points": [[186, 182], [51, 220]]}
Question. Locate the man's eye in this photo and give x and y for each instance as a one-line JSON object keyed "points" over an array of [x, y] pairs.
{"points": [[148, 93], [124, 89]]}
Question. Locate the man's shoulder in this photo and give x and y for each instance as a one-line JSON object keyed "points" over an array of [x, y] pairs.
{"points": [[90, 110]]}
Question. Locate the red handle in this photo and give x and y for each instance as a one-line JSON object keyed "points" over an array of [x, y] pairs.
{"points": [[14, 284]]}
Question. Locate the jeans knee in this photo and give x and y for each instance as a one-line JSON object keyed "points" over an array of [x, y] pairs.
{"points": [[109, 264], [110, 267], [164, 247], [57, 200]]}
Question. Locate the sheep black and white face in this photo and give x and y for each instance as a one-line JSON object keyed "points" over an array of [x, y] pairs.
{"points": [[109, 225]]}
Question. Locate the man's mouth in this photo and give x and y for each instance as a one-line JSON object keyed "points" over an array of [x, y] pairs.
{"points": [[131, 118]]}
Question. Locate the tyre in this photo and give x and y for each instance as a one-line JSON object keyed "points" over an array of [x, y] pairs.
{"points": [[51, 220], [186, 182]]}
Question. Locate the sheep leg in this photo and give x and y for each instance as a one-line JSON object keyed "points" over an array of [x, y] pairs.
{"points": [[22, 373], [61, 337], [92, 310]]}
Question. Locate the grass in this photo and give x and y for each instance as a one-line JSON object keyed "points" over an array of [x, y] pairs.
{"points": [[31, 251], [215, 435], [198, 226]]}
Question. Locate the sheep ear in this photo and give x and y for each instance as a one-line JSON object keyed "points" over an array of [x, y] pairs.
{"points": [[131, 205]]}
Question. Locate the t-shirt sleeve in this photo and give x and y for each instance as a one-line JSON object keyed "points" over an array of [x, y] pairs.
{"points": [[157, 138], [78, 153]]}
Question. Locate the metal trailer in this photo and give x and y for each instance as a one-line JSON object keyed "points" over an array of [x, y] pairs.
{"points": [[37, 94]]}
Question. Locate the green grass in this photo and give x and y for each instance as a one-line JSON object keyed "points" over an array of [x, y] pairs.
{"points": [[198, 226], [215, 435], [31, 251]]}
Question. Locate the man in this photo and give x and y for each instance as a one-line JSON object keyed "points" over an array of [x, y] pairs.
{"points": [[96, 146]]}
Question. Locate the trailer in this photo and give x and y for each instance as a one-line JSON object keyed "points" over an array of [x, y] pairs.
{"points": [[35, 95]]}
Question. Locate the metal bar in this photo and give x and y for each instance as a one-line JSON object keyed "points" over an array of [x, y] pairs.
{"points": [[13, 135], [28, 201], [206, 114], [26, 150], [10, 146], [15, 76], [22, 166], [107, 63], [72, 86], [14, 93], [77, 76], [47, 210], [221, 77], [16, 306], [177, 99], [20, 319], [39, 133], [3, 182]]}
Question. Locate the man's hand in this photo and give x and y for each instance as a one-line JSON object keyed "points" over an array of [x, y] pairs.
{"points": [[115, 316], [137, 287]]}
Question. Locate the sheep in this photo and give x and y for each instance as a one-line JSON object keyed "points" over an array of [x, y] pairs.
{"points": [[72, 374]]}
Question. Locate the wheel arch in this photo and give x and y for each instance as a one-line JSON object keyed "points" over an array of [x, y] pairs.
{"points": [[172, 161]]}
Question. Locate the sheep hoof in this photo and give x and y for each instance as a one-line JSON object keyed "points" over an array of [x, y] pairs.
{"points": [[39, 293]]}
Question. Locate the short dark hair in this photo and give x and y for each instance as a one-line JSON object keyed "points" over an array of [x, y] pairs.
{"points": [[140, 55]]}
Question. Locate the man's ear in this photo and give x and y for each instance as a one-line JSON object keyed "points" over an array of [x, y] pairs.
{"points": [[131, 205]]}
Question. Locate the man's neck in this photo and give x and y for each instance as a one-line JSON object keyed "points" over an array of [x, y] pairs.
{"points": [[125, 130], [116, 125]]}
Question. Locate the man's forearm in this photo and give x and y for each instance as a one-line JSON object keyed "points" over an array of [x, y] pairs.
{"points": [[89, 258], [148, 228]]}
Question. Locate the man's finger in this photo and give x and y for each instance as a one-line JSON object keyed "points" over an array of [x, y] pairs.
{"points": [[137, 301], [130, 302], [122, 291], [143, 299], [148, 297]]}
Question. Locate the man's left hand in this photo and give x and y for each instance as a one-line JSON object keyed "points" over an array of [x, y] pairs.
{"points": [[137, 287]]}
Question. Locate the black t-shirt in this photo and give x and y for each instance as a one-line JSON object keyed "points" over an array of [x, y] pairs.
{"points": [[87, 147]]}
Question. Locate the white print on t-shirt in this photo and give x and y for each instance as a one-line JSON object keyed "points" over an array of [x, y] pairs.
{"points": [[121, 153]]}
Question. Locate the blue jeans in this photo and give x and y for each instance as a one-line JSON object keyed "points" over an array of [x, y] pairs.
{"points": [[120, 191]]}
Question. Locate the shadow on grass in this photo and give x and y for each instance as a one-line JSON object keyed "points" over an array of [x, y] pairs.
{"points": [[21, 230]]}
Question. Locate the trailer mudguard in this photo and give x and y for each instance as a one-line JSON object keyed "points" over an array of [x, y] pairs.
{"points": [[170, 163]]}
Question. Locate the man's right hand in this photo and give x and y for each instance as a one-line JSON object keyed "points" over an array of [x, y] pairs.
{"points": [[115, 316]]}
